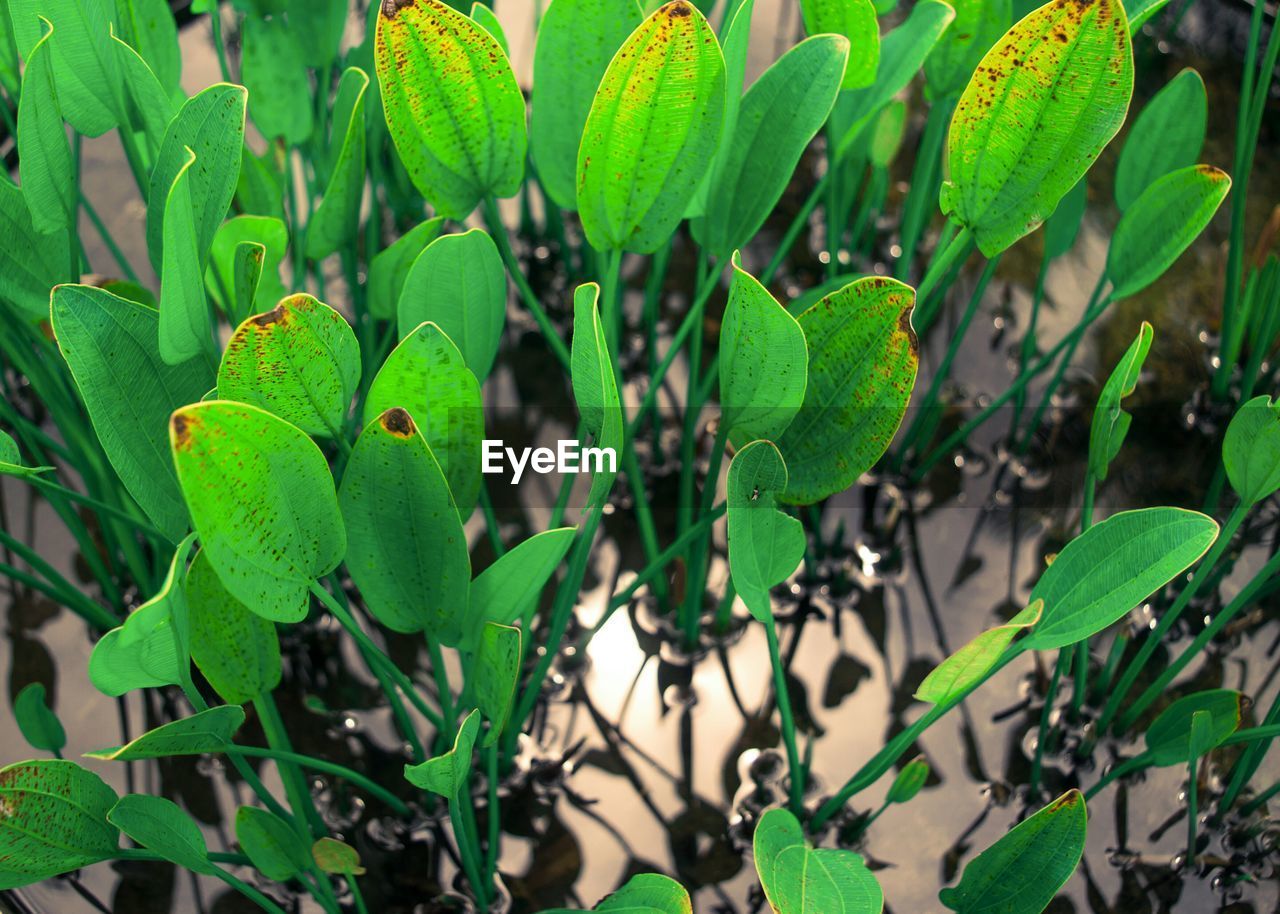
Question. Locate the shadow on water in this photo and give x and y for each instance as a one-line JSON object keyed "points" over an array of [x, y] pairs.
{"points": [[646, 758]]}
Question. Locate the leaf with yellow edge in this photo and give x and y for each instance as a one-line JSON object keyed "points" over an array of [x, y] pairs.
{"points": [[971, 664]]}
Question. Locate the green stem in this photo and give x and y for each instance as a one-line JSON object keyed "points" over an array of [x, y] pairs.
{"points": [[105, 234], [1193, 807], [69, 596], [698, 559], [1042, 733], [215, 24], [943, 260], [470, 864], [133, 520], [295, 785], [1260, 800], [248, 891], [783, 700], [1123, 769], [315, 764], [494, 818]]}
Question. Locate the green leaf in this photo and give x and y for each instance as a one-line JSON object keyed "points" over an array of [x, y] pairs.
{"points": [[54, 821], [1161, 224], [595, 387], [161, 826], [509, 588], [970, 665], [408, 551], [153, 646], [1251, 450], [271, 844], [496, 674], [337, 221], [863, 357], [262, 499], [452, 104], [1202, 737], [978, 25], [763, 360], [644, 893], [489, 20], [446, 774], [222, 277], [149, 28], [427, 376], [279, 88], [319, 25], [1142, 10], [781, 112], [260, 189], [459, 284], [336, 857], [111, 346], [1112, 567], [30, 262], [909, 782], [1025, 868], [236, 649], [1020, 140], [211, 125], [1110, 421], [186, 326], [390, 268], [1167, 136], [799, 879], [146, 108], [765, 545], [1062, 228], [49, 180], [11, 459], [38, 723], [856, 21], [735, 32], [652, 131], [887, 134], [576, 40], [205, 732], [85, 67], [300, 361], [246, 267], [1169, 738]]}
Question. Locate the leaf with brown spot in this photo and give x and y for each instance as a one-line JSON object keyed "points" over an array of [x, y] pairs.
{"points": [[262, 498], [237, 650]]}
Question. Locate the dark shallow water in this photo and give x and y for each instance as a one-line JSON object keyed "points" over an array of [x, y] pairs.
{"points": [[648, 759]]}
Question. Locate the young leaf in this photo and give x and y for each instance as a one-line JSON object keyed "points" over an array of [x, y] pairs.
{"points": [[408, 551], [799, 879], [146, 108], [452, 104], [1025, 868], [496, 674], [148, 27], [211, 125], [652, 131], [337, 220], [509, 588], [781, 112], [1251, 450], [30, 262], [765, 545], [186, 326], [644, 893], [909, 782], [152, 648], [1110, 421], [489, 20], [1112, 567], [38, 723], [273, 72], [11, 459], [459, 284], [446, 774], [856, 21], [763, 360], [55, 821], [111, 346], [863, 357], [1169, 738], [1166, 136], [48, 172], [1141, 11], [336, 857], [161, 826], [595, 387], [207, 731], [262, 499], [427, 376], [576, 40], [1161, 224], [977, 26], [272, 236], [271, 844], [236, 649], [300, 361], [1018, 140], [390, 268], [970, 665]]}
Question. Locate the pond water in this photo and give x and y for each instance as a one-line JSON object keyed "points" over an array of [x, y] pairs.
{"points": [[645, 758]]}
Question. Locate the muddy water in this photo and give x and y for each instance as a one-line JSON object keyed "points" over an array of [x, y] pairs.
{"points": [[649, 759]]}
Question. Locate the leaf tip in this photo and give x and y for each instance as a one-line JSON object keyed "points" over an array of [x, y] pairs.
{"points": [[397, 421]]}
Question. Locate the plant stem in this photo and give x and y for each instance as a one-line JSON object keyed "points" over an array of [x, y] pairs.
{"points": [[1193, 811], [783, 699], [1247, 765], [1260, 800], [698, 559], [494, 818], [68, 595], [470, 865], [248, 891], [295, 785], [215, 24], [315, 764], [1042, 733]]}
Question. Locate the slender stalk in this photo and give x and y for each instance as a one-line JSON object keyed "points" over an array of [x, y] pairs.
{"points": [[1042, 733], [698, 558], [470, 865], [1247, 765], [494, 818], [315, 764], [356, 896], [1260, 800], [248, 891], [68, 595], [1193, 807], [783, 699], [215, 24], [295, 785]]}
